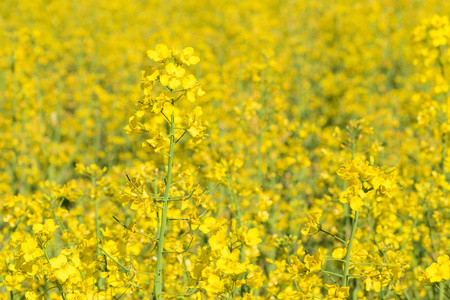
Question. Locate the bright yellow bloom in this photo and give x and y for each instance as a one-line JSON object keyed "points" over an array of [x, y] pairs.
{"points": [[62, 269], [157, 144], [30, 250], [439, 271], [134, 126], [218, 241], [215, 284], [195, 126], [251, 238], [211, 224], [254, 278], [44, 232], [365, 183], [161, 53], [337, 293], [314, 262], [313, 226], [357, 254], [229, 263], [186, 56]]}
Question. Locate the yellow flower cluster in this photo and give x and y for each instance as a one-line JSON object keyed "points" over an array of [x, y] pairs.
{"points": [[437, 272], [366, 183], [432, 38], [220, 268], [312, 162]]}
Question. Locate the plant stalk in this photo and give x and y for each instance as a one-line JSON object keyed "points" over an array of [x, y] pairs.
{"points": [[349, 251], [162, 228]]}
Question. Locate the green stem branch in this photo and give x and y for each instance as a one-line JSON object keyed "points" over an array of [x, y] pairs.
{"points": [[349, 251], [162, 228]]}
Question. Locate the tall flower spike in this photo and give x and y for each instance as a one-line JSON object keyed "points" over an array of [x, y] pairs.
{"points": [[163, 86]]}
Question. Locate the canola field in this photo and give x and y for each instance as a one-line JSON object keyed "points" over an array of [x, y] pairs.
{"points": [[224, 149]]}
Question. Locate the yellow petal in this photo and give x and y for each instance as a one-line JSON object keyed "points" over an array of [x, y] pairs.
{"points": [[198, 111], [164, 79], [193, 60], [339, 253], [58, 262], [189, 82]]}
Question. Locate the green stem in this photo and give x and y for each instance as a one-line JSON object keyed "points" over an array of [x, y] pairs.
{"points": [[58, 220], [334, 259], [328, 273], [444, 149], [349, 251], [233, 196], [336, 237], [117, 262], [347, 209], [444, 143], [372, 264], [262, 114], [97, 233], [162, 228], [442, 292], [355, 293], [239, 221]]}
